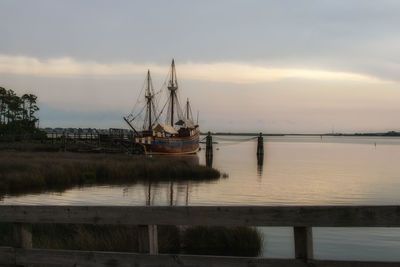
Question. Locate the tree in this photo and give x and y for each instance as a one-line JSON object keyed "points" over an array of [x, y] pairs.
{"points": [[32, 108], [3, 93], [17, 114]]}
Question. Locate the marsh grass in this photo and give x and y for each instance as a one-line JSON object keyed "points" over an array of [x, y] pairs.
{"points": [[100, 237], [30, 146], [35, 171], [222, 241], [92, 237]]}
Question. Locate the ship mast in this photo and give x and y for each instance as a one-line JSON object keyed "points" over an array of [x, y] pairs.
{"points": [[187, 109], [149, 96], [172, 87]]}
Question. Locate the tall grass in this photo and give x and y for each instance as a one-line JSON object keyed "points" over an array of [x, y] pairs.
{"points": [[223, 241], [35, 171], [30, 146]]}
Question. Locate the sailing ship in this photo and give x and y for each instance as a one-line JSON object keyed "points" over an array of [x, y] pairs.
{"points": [[177, 134]]}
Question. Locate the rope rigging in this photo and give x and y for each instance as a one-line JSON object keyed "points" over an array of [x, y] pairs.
{"points": [[153, 115]]}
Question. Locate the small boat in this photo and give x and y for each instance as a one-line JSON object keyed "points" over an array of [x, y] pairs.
{"points": [[165, 131]]}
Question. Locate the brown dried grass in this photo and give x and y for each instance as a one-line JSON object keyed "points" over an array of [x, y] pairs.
{"points": [[36, 171]]}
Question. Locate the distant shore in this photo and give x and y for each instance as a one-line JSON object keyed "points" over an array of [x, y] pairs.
{"points": [[385, 134], [84, 131]]}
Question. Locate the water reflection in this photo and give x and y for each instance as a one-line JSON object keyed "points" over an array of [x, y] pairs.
{"points": [[260, 164], [175, 193], [192, 159], [209, 160], [171, 194], [148, 201], [187, 194]]}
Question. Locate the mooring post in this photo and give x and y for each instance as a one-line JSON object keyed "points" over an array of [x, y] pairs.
{"points": [[260, 145], [209, 150], [209, 144], [303, 243]]}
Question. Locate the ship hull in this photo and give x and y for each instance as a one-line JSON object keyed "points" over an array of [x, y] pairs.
{"points": [[169, 145]]}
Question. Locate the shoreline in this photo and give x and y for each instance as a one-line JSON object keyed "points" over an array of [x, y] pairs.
{"points": [[24, 172]]}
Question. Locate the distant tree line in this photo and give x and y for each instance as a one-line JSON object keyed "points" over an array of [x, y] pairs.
{"points": [[17, 113]]}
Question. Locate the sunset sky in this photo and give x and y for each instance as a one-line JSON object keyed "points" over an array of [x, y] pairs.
{"points": [[272, 66]]}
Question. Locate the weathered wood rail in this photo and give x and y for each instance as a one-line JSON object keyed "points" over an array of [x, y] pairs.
{"points": [[301, 218]]}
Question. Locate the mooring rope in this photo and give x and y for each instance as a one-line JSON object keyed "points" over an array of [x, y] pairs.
{"points": [[235, 139], [230, 141]]}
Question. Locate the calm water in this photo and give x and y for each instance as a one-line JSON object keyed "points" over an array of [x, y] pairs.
{"points": [[297, 170]]}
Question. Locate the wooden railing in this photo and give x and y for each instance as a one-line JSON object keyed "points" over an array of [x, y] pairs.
{"points": [[301, 218]]}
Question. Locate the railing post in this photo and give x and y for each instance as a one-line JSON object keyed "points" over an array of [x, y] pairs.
{"points": [[148, 239], [153, 239], [303, 243], [23, 235]]}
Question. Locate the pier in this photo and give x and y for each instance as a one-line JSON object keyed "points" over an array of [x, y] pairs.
{"points": [[301, 218]]}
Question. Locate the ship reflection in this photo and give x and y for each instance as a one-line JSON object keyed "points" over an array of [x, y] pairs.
{"points": [[175, 192]]}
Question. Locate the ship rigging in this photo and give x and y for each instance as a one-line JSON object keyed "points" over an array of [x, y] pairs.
{"points": [[178, 134]]}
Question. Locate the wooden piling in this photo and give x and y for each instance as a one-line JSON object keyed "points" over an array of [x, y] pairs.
{"points": [[209, 150], [209, 160], [260, 145], [260, 164], [209, 144]]}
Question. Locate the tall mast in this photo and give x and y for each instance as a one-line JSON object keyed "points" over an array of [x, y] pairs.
{"points": [[187, 109], [173, 86], [149, 97]]}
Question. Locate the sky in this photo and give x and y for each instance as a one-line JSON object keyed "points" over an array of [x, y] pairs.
{"points": [[312, 66]]}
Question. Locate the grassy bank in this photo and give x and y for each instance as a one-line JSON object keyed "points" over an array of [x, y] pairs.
{"points": [[227, 241], [222, 241], [35, 171], [31, 146]]}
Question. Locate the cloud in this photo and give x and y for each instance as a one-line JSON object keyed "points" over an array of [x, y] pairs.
{"points": [[226, 72]]}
